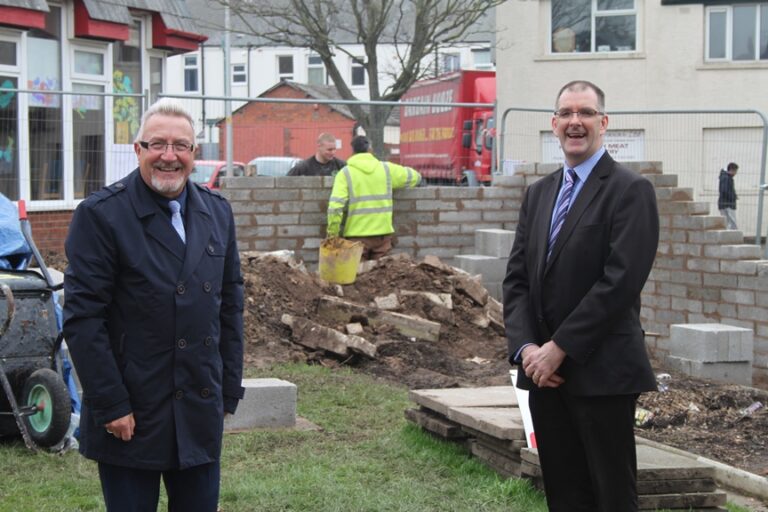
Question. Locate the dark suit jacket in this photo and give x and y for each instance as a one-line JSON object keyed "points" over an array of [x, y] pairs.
{"points": [[154, 327], [587, 297]]}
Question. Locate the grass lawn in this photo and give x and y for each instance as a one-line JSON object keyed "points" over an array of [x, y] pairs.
{"points": [[366, 457]]}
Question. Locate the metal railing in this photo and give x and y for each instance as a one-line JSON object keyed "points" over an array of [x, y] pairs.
{"points": [[693, 144]]}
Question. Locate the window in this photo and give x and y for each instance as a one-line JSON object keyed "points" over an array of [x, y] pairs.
{"points": [[155, 78], [89, 63], [7, 53], [315, 70], [239, 75], [88, 139], [358, 72], [285, 67], [9, 137], [737, 32], [190, 73], [127, 81], [46, 152], [584, 26], [481, 58], [450, 62]]}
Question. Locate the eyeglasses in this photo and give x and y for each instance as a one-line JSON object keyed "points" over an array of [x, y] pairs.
{"points": [[584, 113], [162, 147]]}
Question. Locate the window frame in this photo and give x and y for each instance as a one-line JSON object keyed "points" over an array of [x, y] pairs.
{"points": [[353, 66], [280, 74], [482, 65], [315, 66], [596, 13], [727, 9], [239, 74], [189, 67]]}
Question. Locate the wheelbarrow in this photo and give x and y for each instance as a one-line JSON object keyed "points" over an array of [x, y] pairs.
{"points": [[36, 402]]}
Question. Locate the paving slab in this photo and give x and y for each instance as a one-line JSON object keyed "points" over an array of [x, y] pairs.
{"points": [[440, 400], [499, 422], [437, 424]]}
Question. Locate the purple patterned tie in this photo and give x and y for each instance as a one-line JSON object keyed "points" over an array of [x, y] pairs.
{"points": [[561, 209]]}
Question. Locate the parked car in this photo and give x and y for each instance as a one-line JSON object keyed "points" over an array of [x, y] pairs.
{"points": [[271, 165], [208, 172]]}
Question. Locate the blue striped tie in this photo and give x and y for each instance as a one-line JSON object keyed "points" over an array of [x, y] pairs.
{"points": [[176, 220], [561, 209]]}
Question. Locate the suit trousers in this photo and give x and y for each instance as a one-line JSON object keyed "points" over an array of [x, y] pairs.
{"points": [[194, 489], [586, 449]]}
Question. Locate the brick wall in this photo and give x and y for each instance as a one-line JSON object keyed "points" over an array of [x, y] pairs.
{"points": [[49, 230], [290, 213], [703, 273]]}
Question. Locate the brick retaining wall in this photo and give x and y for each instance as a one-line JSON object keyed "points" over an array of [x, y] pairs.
{"points": [[703, 273]]}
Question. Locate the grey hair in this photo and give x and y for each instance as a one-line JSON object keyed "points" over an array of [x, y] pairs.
{"points": [[165, 107]]}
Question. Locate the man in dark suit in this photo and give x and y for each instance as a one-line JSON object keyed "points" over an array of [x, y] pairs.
{"points": [[584, 246], [153, 319]]}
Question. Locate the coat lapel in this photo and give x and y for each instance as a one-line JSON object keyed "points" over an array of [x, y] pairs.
{"points": [[198, 226], [156, 222], [549, 196]]}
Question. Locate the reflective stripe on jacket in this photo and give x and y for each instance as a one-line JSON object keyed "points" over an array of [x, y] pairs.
{"points": [[363, 189]]}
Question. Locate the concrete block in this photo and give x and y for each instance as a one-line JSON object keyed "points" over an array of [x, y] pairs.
{"points": [[494, 242], [727, 372], [267, 403], [491, 268], [711, 343]]}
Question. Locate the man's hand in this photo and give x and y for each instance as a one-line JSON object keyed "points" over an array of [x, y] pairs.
{"points": [[122, 428], [541, 363]]}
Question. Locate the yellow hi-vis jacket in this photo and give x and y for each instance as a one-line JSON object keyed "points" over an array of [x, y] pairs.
{"points": [[363, 188]]}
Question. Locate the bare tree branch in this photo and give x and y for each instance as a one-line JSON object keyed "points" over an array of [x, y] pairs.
{"points": [[416, 28]]}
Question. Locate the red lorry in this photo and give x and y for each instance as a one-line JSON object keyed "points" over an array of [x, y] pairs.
{"points": [[450, 145]]}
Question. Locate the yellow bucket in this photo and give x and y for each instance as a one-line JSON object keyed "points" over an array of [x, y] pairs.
{"points": [[339, 259]]}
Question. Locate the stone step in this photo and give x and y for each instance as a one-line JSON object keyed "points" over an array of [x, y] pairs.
{"points": [[267, 403], [494, 242]]}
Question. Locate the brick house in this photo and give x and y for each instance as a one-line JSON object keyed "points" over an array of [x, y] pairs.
{"points": [[288, 129]]}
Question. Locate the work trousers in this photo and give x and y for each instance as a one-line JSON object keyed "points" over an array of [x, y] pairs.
{"points": [[586, 450], [375, 246], [194, 489]]}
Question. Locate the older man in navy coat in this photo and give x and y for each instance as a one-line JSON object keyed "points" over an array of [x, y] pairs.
{"points": [[153, 318]]}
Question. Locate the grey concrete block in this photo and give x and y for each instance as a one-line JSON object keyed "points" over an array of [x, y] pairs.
{"points": [[491, 268], [268, 403], [711, 343], [728, 372], [494, 242]]}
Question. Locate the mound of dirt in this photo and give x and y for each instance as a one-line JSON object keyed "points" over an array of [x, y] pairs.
{"points": [[698, 416]]}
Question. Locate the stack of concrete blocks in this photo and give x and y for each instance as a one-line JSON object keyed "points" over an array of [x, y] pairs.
{"points": [[267, 403], [492, 247], [718, 352]]}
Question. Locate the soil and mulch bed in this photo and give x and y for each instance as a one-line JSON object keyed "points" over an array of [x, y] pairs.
{"points": [[720, 422]]}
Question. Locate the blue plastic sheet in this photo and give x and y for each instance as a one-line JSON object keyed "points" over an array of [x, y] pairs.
{"points": [[14, 250]]}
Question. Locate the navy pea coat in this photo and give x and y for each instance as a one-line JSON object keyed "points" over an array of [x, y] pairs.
{"points": [[154, 327]]}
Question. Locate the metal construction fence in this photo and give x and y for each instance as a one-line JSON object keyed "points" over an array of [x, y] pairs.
{"points": [[56, 147], [693, 144]]}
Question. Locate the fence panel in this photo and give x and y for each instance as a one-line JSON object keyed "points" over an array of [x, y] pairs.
{"points": [[694, 145]]}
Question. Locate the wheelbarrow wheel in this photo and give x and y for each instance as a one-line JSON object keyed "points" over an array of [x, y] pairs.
{"points": [[45, 390]]}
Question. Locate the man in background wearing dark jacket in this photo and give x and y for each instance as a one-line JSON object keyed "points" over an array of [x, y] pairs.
{"points": [[726, 202], [323, 162]]}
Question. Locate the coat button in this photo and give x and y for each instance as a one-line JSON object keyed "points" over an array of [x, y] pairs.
{"points": [[182, 343], [207, 287], [180, 289], [208, 341], [205, 392], [179, 394], [210, 249]]}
